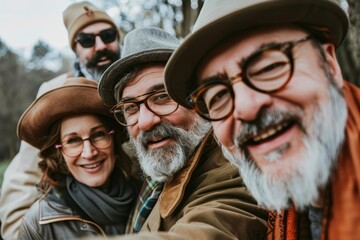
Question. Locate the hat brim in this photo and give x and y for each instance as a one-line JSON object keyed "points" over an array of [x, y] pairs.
{"points": [[35, 123], [181, 67], [118, 69]]}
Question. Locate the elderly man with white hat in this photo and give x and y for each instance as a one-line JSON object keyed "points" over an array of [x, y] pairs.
{"points": [[95, 40], [265, 73]]}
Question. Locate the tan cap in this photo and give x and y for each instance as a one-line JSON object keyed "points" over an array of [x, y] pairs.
{"points": [[79, 15]]}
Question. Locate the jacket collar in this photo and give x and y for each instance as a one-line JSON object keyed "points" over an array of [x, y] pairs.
{"points": [[174, 188], [52, 207]]}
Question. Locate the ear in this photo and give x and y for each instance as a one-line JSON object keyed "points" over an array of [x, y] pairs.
{"points": [[332, 62]]}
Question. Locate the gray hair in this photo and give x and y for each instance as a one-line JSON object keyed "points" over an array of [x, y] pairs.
{"points": [[130, 75]]}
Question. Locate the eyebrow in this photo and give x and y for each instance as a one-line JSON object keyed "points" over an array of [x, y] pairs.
{"points": [[216, 77], [222, 76], [91, 131], [153, 88], [268, 45]]}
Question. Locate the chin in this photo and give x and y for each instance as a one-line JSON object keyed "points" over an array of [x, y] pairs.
{"points": [[98, 183]]}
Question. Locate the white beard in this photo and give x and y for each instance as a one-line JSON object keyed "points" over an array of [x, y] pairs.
{"points": [[162, 163], [312, 168]]}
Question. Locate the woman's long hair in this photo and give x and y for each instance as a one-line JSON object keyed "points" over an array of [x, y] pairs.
{"points": [[53, 164]]}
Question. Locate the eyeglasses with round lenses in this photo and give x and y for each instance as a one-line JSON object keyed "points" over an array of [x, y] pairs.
{"points": [[87, 40], [158, 102], [267, 70], [72, 146]]}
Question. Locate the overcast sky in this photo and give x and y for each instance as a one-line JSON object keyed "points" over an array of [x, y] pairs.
{"points": [[24, 22]]}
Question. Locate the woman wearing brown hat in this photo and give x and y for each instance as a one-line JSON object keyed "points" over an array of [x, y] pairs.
{"points": [[86, 186]]}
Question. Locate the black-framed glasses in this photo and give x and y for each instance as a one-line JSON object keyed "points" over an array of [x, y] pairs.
{"points": [[87, 40], [267, 70], [73, 145], [158, 102]]}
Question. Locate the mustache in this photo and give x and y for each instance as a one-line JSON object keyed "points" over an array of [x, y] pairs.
{"points": [[163, 130], [92, 63], [266, 119]]}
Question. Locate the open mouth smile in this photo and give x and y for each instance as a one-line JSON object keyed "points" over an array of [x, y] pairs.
{"points": [[92, 166], [267, 134]]}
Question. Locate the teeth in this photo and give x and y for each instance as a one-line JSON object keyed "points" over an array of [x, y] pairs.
{"points": [[270, 132], [156, 139], [91, 166]]}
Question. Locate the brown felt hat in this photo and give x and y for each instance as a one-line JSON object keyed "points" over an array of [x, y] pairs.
{"points": [[76, 96], [220, 19], [81, 14]]}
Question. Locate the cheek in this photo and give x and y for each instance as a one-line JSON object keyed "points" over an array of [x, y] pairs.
{"points": [[305, 96], [224, 132], [112, 154], [114, 46], [85, 54], [307, 83], [111, 162], [133, 131], [69, 163], [182, 117]]}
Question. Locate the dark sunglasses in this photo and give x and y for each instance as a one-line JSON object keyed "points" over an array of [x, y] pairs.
{"points": [[87, 40]]}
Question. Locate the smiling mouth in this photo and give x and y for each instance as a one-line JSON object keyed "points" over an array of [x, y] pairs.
{"points": [[156, 140], [92, 166], [103, 60], [267, 134]]}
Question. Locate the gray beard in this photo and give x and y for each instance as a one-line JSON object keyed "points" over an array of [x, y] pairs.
{"points": [[90, 74], [311, 171], [162, 163]]}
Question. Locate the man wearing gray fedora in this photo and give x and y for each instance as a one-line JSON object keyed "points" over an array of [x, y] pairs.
{"points": [[265, 73], [190, 190]]}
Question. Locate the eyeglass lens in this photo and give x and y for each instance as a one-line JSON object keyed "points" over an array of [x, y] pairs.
{"points": [[159, 103], [73, 145], [88, 40], [267, 71]]}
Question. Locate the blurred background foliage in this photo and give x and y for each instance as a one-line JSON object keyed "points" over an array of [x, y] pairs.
{"points": [[21, 77]]}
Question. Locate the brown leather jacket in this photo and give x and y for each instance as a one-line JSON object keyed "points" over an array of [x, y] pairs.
{"points": [[50, 217]]}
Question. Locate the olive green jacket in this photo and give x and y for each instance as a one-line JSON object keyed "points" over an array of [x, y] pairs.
{"points": [[207, 200]]}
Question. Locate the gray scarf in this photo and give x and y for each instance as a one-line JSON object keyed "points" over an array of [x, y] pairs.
{"points": [[106, 206]]}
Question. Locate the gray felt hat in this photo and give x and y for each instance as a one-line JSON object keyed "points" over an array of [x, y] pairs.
{"points": [[143, 45], [220, 19]]}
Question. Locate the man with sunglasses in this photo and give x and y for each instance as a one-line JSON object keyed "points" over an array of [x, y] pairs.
{"points": [[95, 40], [93, 36], [190, 191], [266, 75]]}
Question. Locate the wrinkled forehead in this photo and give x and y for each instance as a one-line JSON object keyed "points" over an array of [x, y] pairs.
{"points": [[147, 80], [225, 56]]}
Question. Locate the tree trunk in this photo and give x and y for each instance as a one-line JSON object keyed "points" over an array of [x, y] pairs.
{"points": [[349, 52]]}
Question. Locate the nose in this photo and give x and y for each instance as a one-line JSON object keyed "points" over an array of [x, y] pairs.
{"points": [[248, 102], [146, 118], [99, 44], [89, 151]]}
